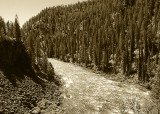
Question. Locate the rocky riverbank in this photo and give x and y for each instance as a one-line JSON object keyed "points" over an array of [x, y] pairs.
{"points": [[28, 96]]}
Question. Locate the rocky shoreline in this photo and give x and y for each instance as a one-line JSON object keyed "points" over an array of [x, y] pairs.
{"points": [[29, 97]]}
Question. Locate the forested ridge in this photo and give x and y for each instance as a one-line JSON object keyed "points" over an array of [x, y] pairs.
{"points": [[111, 36]]}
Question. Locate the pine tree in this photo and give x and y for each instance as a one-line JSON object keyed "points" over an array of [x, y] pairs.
{"points": [[17, 31], [2, 28]]}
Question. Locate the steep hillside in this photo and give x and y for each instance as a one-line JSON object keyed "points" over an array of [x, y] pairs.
{"points": [[26, 85], [112, 36]]}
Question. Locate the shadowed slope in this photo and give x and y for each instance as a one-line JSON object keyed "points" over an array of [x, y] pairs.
{"points": [[15, 62]]}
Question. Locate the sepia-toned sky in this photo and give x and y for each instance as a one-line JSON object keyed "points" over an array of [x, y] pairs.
{"points": [[25, 9]]}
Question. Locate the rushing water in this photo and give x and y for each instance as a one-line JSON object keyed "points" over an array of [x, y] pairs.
{"points": [[88, 93]]}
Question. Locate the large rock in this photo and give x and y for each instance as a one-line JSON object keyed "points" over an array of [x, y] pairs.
{"points": [[45, 107], [36, 110]]}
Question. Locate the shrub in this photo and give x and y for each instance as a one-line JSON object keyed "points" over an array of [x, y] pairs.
{"points": [[156, 86], [156, 90]]}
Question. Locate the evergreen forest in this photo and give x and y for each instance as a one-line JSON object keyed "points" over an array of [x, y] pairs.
{"points": [[120, 36], [110, 36]]}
